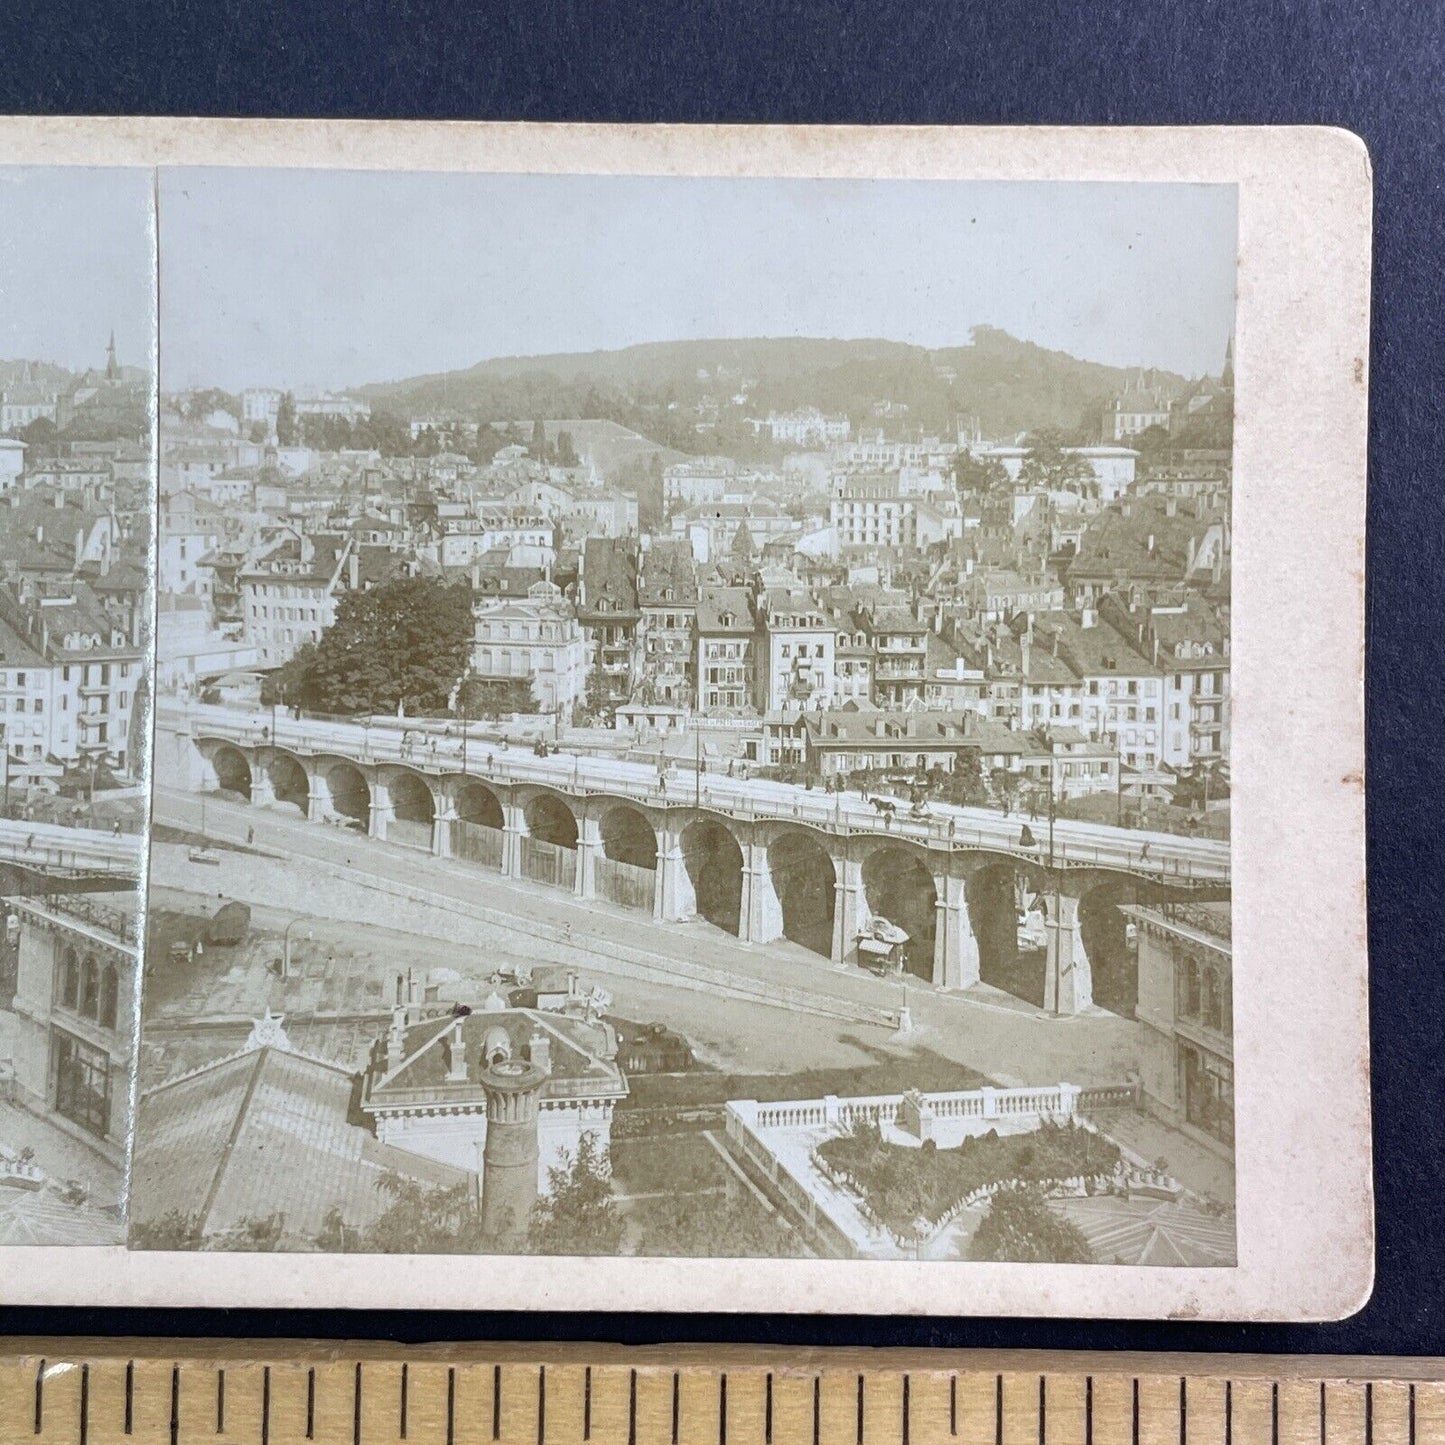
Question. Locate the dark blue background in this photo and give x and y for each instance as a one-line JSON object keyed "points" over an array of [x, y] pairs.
{"points": [[1373, 68]]}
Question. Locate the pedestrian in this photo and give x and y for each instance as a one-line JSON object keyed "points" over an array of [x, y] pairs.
{"points": [[1144, 853], [115, 827], [250, 836]]}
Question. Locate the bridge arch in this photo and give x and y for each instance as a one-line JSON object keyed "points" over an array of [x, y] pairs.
{"points": [[474, 802], [478, 828], [233, 772], [1008, 906], [713, 866], [347, 791], [627, 869], [1103, 931], [549, 846], [289, 782], [413, 807], [804, 877], [899, 886]]}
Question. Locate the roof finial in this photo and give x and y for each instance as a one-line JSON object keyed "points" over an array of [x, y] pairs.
{"points": [[112, 367]]}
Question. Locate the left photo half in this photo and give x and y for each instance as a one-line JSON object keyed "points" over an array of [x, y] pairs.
{"points": [[77, 487]]}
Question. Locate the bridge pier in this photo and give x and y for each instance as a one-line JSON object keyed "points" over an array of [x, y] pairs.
{"points": [[674, 898], [589, 845], [955, 947], [761, 915], [262, 792], [1068, 975], [379, 810], [443, 816], [847, 907], [514, 829]]}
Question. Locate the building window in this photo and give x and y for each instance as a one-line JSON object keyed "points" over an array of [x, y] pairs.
{"points": [[81, 1077], [68, 984], [1207, 1086], [109, 996]]}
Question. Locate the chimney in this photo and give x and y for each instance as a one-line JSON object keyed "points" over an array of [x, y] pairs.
{"points": [[539, 1050], [1025, 644], [456, 1055], [395, 1040]]}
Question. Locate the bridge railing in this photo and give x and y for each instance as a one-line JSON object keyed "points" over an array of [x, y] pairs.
{"points": [[744, 799]]}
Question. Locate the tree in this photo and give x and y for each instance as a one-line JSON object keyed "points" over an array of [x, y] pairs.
{"points": [[967, 785], [40, 438], [1050, 465], [495, 697], [742, 549], [703, 1225], [566, 450], [1020, 1228], [1198, 786], [292, 684], [1005, 786], [286, 429], [578, 1214], [597, 698], [399, 647], [539, 440], [972, 476], [427, 1219]]}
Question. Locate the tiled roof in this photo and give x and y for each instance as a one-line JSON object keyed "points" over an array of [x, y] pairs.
{"points": [[260, 1133]]}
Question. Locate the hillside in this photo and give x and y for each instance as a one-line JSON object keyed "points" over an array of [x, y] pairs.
{"points": [[1008, 384]]}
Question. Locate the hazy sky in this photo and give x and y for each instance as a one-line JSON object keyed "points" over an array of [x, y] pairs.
{"points": [[77, 258], [330, 279]]}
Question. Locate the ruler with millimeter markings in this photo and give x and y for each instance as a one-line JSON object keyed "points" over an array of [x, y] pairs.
{"points": [[148, 1392]]}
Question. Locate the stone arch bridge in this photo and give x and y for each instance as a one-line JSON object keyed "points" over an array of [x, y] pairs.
{"points": [[760, 863]]}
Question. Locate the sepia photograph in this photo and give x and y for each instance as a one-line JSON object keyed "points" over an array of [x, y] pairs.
{"points": [[77, 344], [693, 718]]}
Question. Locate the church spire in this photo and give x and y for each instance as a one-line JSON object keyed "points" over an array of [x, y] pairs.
{"points": [[1226, 377], [112, 367]]}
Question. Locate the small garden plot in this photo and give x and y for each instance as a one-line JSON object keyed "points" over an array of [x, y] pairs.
{"points": [[902, 1187]]}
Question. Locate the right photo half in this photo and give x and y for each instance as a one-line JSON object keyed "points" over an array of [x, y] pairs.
{"points": [[692, 718]]}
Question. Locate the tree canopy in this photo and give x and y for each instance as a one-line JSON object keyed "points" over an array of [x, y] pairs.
{"points": [[578, 1215], [973, 475], [1048, 464], [287, 432], [1020, 1228], [400, 647]]}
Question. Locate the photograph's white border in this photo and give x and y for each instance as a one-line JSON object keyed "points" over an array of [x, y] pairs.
{"points": [[1301, 1054]]}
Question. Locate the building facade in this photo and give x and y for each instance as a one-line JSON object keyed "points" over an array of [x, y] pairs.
{"points": [[536, 637], [1186, 1003], [73, 1014]]}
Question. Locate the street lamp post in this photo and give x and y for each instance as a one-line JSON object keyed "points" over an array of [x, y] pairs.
{"points": [[1052, 767], [286, 945], [1118, 784]]}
